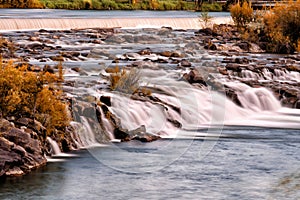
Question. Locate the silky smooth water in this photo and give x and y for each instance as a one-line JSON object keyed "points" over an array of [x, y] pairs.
{"points": [[253, 163]]}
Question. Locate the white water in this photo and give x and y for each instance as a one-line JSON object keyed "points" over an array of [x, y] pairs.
{"points": [[54, 146], [203, 108]]}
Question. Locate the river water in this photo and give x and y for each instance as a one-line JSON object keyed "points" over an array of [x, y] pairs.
{"points": [[255, 155], [235, 168]]}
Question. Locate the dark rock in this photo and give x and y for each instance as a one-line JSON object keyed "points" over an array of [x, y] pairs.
{"points": [[233, 67], [34, 68], [49, 69], [57, 58], [121, 134], [146, 137], [206, 31], [176, 55], [210, 46], [106, 100], [76, 69], [285, 48], [231, 94], [244, 46]]}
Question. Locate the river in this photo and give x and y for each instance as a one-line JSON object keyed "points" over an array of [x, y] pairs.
{"points": [[222, 151]]}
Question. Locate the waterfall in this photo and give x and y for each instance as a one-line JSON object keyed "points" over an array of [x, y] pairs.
{"points": [[256, 99], [54, 146], [77, 23]]}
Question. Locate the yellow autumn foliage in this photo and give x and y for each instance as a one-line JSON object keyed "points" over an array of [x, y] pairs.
{"points": [[30, 94], [241, 14]]}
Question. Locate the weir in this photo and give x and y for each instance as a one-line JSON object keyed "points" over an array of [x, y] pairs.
{"points": [[177, 23]]}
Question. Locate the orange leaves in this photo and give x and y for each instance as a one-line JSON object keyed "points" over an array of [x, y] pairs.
{"points": [[29, 94], [241, 15]]}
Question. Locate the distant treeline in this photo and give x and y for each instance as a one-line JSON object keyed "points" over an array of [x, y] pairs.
{"points": [[21, 4], [111, 4]]}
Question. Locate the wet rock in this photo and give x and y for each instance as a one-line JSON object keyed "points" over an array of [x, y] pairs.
{"points": [[231, 94], [223, 71], [244, 46], [121, 134], [33, 38], [57, 58], [49, 69], [106, 100], [211, 46], [145, 52], [185, 63], [206, 31], [76, 69], [115, 39], [166, 53], [194, 76], [233, 67], [146, 39], [146, 137]]}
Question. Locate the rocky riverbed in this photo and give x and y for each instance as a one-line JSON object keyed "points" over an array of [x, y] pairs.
{"points": [[208, 59]]}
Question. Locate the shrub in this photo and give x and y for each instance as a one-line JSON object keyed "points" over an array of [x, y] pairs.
{"points": [[124, 81], [241, 15], [29, 94], [205, 19], [282, 24]]}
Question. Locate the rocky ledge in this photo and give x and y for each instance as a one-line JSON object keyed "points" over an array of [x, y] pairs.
{"points": [[20, 149]]}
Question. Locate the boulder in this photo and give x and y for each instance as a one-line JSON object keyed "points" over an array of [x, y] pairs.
{"points": [[185, 63], [121, 134], [106, 100], [194, 76]]}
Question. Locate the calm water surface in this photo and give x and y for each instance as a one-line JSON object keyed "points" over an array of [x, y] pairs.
{"points": [[251, 164]]}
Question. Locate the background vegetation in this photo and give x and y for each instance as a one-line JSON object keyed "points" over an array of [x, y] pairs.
{"points": [[112, 4], [276, 30]]}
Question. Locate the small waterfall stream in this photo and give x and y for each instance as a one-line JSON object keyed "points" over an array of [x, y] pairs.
{"points": [[55, 148]]}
